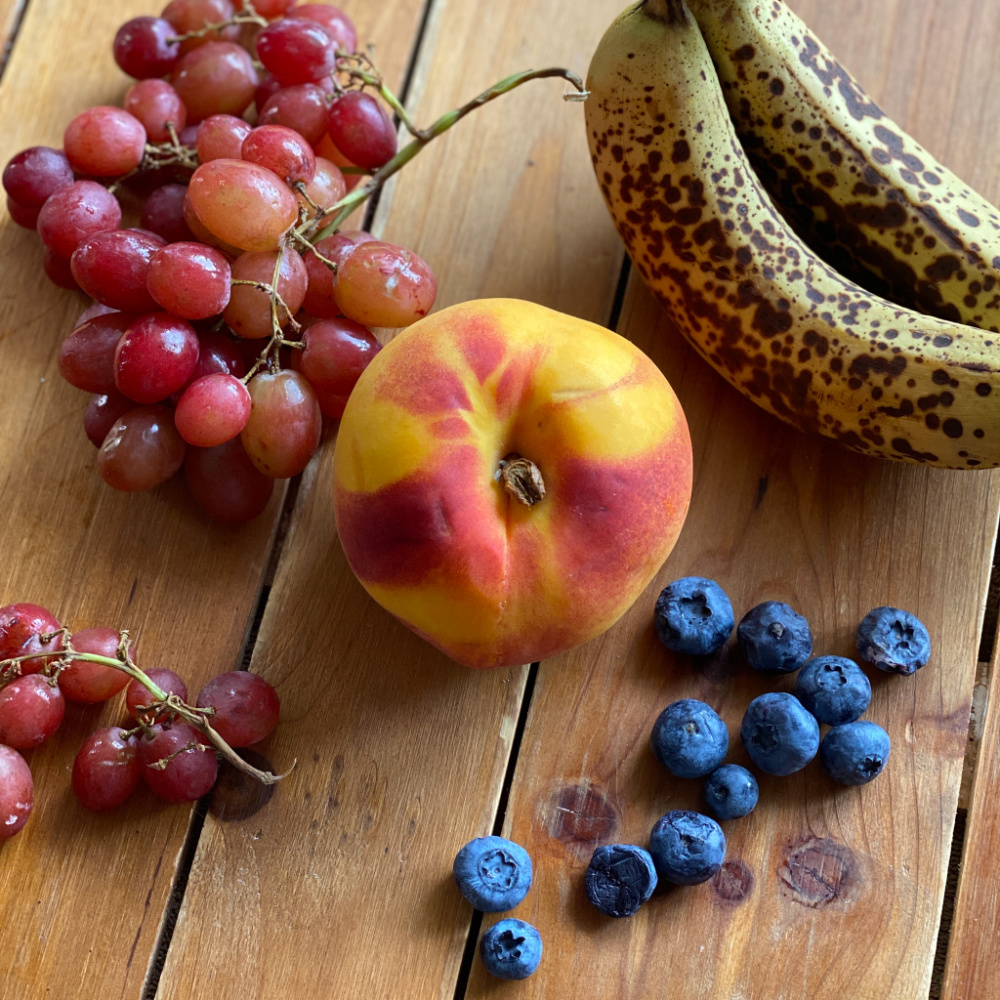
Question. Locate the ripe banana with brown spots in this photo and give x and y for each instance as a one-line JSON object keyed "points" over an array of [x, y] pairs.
{"points": [[779, 323], [867, 196]]}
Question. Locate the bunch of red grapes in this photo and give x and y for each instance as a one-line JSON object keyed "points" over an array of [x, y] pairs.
{"points": [[167, 743], [235, 314]]}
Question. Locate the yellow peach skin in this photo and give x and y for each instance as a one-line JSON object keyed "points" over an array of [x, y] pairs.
{"points": [[429, 439]]}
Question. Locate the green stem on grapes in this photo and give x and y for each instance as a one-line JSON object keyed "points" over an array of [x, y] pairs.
{"points": [[374, 79], [350, 201], [248, 16], [307, 247]]}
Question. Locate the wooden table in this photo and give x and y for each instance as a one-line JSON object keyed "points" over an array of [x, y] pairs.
{"points": [[339, 884]]}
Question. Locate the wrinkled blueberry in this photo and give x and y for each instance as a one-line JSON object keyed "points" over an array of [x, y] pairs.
{"points": [[779, 734], [493, 873], [693, 616], [687, 847], [731, 792], [619, 879], [834, 688], [774, 638], [893, 640], [855, 753], [689, 739], [511, 949]]}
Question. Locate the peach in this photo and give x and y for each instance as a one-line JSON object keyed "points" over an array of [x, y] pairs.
{"points": [[508, 479]]}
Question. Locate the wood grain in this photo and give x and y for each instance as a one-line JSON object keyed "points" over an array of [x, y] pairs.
{"points": [[81, 896], [343, 886]]}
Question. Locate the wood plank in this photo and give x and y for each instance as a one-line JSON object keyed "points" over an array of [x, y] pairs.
{"points": [[81, 896], [342, 886], [828, 891]]}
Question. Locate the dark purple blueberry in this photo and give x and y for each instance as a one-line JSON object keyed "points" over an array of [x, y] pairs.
{"points": [[687, 847], [693, 615], [855, 753], [689, 739], [774, 638], [834, 688], [619, 879], [492, 873], [511, 949], [731, 792], [779, 734], [893, 640]]}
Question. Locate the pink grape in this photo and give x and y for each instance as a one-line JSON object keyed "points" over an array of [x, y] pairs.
{"points": [[58, 270], [31, 709], [285, 424], [296, 50], [102, 411], [246, 707], [282, 151], [249, 311], [200, 232], [142, 449], [155, 103], [302, 107], [87, 355], [189, 280], [226, 484], [322, 280], [112, 267], [138, 696], [190, 15], [325, 189], [326, 148], [104, 142], [362, 130], [221, 137], [106, 769], [380, 284], [336, 23], [212, 410], [86, 683], [142, 47], [336, 352], [242, 203], [189, 775], [17, 792], [163, 213], [75, 212], [155, 357], [35, 173], [21, 627], [215, 78]]}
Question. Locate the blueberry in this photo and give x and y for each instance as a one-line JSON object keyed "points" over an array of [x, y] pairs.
{"points": [[693, 616], [689, 739], [619, 879], [834, 688], [774, 638], [493, 873], [779, 734], [511, 949], [687, 847], [893, 640], [855, 753], [731, 791]]}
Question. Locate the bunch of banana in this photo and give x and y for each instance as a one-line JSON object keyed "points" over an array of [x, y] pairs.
{"points": [[780, 323]]}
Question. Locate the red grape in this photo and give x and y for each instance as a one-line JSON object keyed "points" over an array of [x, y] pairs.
{"points": [[112, 268], [226, 484], [87, 355], [102, 411], [267, 87], [362, 130], [142, 449], [217, 353], [17, 792], [23, 215], [192, 767], [31, 709], [138, 696], [380, 284], [155, 357], [155, 103], [190, 15], [58, 270], [268, 8], [215, 78], [213, 410], [285, 423], [142, 47], [35, 173], [322, 280], [296, 50], [106, 769], [336, 352], [302, 107], [325, 189], [336, 23], [163, 213], [246, 707], [94, 309], [249, 311], [329, 151], [104, 142], [221, 137], [189, 280], [86, 683], [282, 150], [21, 627], [73, 213]]}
